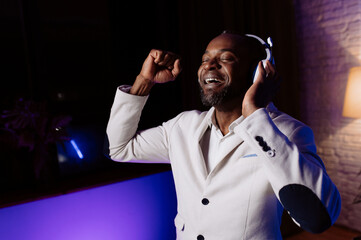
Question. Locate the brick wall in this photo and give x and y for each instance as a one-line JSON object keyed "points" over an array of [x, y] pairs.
{"points": [[329, 44]]}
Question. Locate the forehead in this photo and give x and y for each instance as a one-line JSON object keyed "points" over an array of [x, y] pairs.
{"points": [[231, 42]]}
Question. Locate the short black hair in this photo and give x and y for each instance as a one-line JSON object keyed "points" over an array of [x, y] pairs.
{"points": [[257, 50]]}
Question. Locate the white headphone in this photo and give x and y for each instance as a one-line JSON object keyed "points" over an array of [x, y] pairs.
{"points": [[268, 48]]}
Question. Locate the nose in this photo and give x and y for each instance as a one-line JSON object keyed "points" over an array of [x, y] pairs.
{"points": [[212, 64]]}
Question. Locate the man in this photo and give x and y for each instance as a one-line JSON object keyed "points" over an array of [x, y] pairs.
{"points": [[237, 165]]}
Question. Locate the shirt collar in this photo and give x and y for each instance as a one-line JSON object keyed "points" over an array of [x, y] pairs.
{"points": [[211, 120], [211, 117], [235, 123]]}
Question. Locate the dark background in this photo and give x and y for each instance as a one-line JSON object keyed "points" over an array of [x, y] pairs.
{"points": [[71, 55]]}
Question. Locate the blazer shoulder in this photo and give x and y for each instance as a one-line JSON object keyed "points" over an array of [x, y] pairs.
{"points": [[188, 119], [193, 117], [288, 124]]}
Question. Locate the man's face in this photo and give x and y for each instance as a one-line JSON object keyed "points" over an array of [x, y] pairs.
{"points": [[224, 70]]}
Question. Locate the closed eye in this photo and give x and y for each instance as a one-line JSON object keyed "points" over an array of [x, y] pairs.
{"points": [[227, 59]]}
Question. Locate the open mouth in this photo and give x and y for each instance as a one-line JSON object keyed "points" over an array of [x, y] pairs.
{"points": [[212, 80]]}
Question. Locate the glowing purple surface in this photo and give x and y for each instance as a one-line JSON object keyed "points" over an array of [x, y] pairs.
{"points": [[138, 209]]}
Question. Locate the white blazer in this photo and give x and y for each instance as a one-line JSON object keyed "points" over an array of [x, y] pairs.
{"points": [[271, 165]]}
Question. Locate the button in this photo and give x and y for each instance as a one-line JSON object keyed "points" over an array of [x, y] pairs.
{"points": [[259, 139], [271, 153], [205, 201], [200, 237], [266, 148]]}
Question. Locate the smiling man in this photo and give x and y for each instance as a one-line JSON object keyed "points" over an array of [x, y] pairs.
{"points": [[231, 63], [236, 166]]}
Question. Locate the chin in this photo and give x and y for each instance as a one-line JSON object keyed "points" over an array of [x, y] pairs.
{"points": [[211, 99]]}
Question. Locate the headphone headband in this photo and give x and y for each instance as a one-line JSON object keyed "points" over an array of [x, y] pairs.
{"points": [[267, 46], [268, 49]]}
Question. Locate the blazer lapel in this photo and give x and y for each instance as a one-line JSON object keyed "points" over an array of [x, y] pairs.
{"points": [[199, 158], [232, 145]]}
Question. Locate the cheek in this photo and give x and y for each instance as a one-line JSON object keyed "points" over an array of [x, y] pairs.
{"points": [[241, 73], [233, 73], [239, 78]]}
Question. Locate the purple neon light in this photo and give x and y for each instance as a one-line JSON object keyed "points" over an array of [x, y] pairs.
{"points": [[138, 209]]}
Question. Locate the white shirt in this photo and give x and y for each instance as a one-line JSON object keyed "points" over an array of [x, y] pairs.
{"points": [[213, 140]]}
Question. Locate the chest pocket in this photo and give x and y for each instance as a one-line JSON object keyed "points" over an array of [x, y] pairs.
{"points": [[252, 155]]}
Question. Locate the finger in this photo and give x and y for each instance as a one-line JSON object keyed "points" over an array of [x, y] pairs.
{"points": [[148, 67], [149, 60], [262, 72], [270, 69], [177, 69], [274, 77], [158, 55], [174, 63], [168, 60]]}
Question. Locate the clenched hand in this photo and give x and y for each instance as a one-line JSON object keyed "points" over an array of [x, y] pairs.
{"points": [[159, 67]]}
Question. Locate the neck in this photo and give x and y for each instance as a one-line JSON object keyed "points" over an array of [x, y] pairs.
{"points": [[226, 113]]}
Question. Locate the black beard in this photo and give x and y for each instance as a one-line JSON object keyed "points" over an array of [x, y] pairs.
{"points": [[214, 99]]}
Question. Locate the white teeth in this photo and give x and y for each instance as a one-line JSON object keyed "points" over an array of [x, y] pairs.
{"points": [[211, 80]]}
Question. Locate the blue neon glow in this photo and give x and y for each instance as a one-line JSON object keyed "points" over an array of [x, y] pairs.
{"points": [[112, 212], [75, 146]]}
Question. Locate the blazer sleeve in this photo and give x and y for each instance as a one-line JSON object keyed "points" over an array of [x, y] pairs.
{"points": [[125, 143], [295, 171]]}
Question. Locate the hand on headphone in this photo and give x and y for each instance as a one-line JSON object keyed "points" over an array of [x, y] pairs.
{"points": [[262, 91]]}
